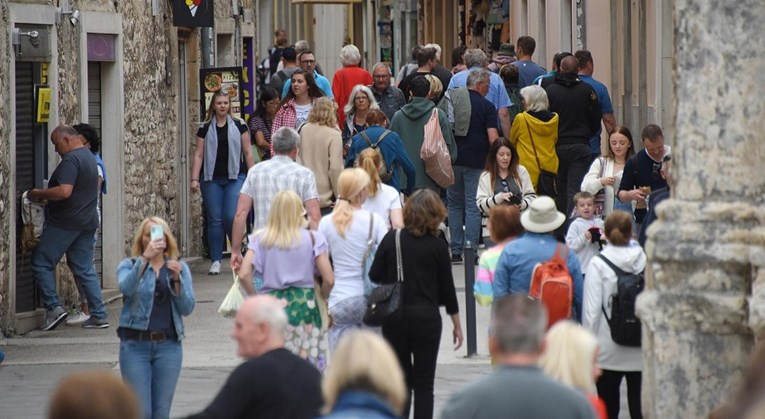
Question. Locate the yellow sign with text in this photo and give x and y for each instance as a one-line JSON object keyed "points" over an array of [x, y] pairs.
{"points": [[43, 105]]}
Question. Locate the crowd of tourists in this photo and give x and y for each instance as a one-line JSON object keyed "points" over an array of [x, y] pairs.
{"points": [[342, 215]]}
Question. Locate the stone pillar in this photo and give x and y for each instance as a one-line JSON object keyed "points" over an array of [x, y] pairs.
{"points": [[705, 300]]}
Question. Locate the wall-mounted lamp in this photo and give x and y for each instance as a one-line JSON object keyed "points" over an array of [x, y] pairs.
{"points": [[65, 9], [34, 37]]}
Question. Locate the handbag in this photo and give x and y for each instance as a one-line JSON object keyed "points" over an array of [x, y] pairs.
{"points": [[384, 304], [547, 183], [232, 301], [369, 257], [321, 302]]}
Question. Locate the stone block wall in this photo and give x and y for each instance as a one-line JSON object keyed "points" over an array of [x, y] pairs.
{"points": [[6, 222]]}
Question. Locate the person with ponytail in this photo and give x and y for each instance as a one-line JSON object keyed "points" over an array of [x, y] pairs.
{"points": [[348, 230], [383, 199]]}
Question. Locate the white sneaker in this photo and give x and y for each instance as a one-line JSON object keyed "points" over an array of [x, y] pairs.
{"points": [[214, 268], [77, 319]]}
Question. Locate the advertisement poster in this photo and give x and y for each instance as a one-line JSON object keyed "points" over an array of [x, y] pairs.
{"points": [[193, 13], [248, 79], [227, 79]]}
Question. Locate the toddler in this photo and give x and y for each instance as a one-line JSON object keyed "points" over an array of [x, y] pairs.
{"points": [[585, 235]]}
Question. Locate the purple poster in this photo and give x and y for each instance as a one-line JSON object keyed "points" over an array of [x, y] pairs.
{"points": [[248, 78]]}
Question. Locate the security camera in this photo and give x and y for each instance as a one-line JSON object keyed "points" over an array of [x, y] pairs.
{"points": [[75, 18]]}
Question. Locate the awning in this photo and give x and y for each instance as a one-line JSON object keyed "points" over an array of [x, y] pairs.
{"points": [[326, 1]]}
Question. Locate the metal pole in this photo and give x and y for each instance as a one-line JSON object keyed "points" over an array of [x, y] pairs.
{"points": [[207, 48], [470, 321]]}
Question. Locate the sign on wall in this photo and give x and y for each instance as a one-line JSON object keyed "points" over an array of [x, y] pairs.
{"points": [[193, 13], [227, 79], [42, 103], [248, 77]]}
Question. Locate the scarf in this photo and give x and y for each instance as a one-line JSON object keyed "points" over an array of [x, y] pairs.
{"points": [[211, 149]]}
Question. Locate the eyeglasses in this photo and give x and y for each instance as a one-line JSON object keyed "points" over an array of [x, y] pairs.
{"points": [[308, 61], [655, 172], [381, 76]]}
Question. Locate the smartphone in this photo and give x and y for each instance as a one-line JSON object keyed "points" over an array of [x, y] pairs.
{"points": [[157, 232]]}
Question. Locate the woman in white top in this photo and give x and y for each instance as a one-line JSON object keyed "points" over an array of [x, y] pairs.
{"points": [[504, 181], [349, 229], [616, 361], [383, 199], [606, 172]]}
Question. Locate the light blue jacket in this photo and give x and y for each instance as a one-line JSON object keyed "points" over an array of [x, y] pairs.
{"points": [[321, 81], [138, 295], [360, 404], [517, 262]]}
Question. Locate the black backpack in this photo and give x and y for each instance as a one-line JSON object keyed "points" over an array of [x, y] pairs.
{"points": [[386, 172], [625, 326]]}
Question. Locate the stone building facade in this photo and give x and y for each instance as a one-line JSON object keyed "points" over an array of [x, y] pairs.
{"points": [[123, 67]]}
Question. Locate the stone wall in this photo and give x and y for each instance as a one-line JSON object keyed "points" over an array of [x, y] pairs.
{"points": [[6, 222]]}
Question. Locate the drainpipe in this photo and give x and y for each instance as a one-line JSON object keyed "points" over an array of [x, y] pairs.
{"points": [[207, 48]]}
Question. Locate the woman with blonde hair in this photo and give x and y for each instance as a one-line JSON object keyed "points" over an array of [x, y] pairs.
{"points": [[534, 134], [383, 199], [352, 233], [436, 88], [156, 293], [360, 102], [364, 379], [570, 357], [281, 260], [427, 285], [321, 150], [222, 157]]}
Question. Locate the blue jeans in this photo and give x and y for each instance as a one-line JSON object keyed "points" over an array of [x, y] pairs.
{"points": [[78, 247], [152, 370], [220, 196], [463, 211]]}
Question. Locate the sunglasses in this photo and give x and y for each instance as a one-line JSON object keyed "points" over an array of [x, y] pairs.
{"points": [[655, 171], [503, 182]]}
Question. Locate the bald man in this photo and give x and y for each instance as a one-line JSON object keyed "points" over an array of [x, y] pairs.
{"points": [[70, 227], [272, 382], [578, 109]]}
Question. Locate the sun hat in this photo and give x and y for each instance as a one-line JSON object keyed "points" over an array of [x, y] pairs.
{"points": [[506, 50], [542, 216]]}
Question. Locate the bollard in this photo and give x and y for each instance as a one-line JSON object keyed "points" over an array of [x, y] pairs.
{"points": [[470, 321]]}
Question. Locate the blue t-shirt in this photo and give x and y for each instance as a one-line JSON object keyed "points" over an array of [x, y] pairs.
{"points": [[605, 107], [321, 81], [473, 147], [527, 71]]}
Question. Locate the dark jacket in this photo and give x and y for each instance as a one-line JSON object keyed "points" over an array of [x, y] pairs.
{"points": [[577, 106]]}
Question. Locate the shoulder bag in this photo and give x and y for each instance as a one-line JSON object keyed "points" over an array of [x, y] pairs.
{"points": [[384, 304], [547, 183]]}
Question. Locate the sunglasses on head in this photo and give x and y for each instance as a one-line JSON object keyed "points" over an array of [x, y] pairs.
{"points": [[655, 171]]}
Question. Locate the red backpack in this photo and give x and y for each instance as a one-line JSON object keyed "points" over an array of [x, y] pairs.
{"points": [[551, 283]]}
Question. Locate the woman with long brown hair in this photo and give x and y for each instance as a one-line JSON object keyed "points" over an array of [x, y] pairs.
{"points": [[504, 180], [428, 284], [606, 172], [296, 105]]}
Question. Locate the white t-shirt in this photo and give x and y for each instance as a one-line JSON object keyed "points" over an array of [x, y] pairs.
{"points": [[386, 199], [302, 112], [347, 253]]}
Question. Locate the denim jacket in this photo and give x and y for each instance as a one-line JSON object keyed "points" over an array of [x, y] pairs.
{"points": [[138, 295], [360, 404]]}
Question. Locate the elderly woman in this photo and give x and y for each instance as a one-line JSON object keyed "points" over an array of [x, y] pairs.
{"points": [[348, 77], [359, 104], [534, 133], [428, 285], [364, 380], [281, 260], [223, 146], [157, 294], [321, 150]]}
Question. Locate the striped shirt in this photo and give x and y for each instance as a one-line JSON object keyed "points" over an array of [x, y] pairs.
{"points": [[279, 173]]}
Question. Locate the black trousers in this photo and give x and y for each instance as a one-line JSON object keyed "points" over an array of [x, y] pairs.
{"points": [[608, 389], [415, 339], [573, 163]]}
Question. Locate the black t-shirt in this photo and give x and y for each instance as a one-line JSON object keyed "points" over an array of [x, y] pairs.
{"points": [[275, 385], [78, 212], [221, 157], [473, 148], [404, 84]]}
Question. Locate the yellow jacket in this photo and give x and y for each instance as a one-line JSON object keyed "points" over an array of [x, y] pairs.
{"points": [[545, 136]]}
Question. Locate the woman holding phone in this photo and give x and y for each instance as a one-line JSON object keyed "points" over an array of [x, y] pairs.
{"points": [[157, 293]]}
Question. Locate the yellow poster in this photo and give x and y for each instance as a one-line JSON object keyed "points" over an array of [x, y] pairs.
{"points": [[43, 105]]}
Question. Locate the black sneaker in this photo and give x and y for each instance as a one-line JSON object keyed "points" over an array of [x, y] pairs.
{"points": [[456, 259], [94, 323], [53, 318]]}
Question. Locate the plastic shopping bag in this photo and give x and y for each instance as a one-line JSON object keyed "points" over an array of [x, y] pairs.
{"points": [[233, 300]]}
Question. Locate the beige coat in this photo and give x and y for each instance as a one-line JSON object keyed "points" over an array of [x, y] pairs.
{"points": [[321, 150]]}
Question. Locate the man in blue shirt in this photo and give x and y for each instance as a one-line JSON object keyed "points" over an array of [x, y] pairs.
{"points": [[307, 62], [586, 68], [475, 59], [527, 70], [471, 159], [538, 245]]}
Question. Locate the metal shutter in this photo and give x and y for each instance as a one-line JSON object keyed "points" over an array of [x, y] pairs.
{"points": [[94, 119], [26, 292]]}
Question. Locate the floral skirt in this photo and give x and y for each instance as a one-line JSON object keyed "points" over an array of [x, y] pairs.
{"points": [[304, 336]]}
